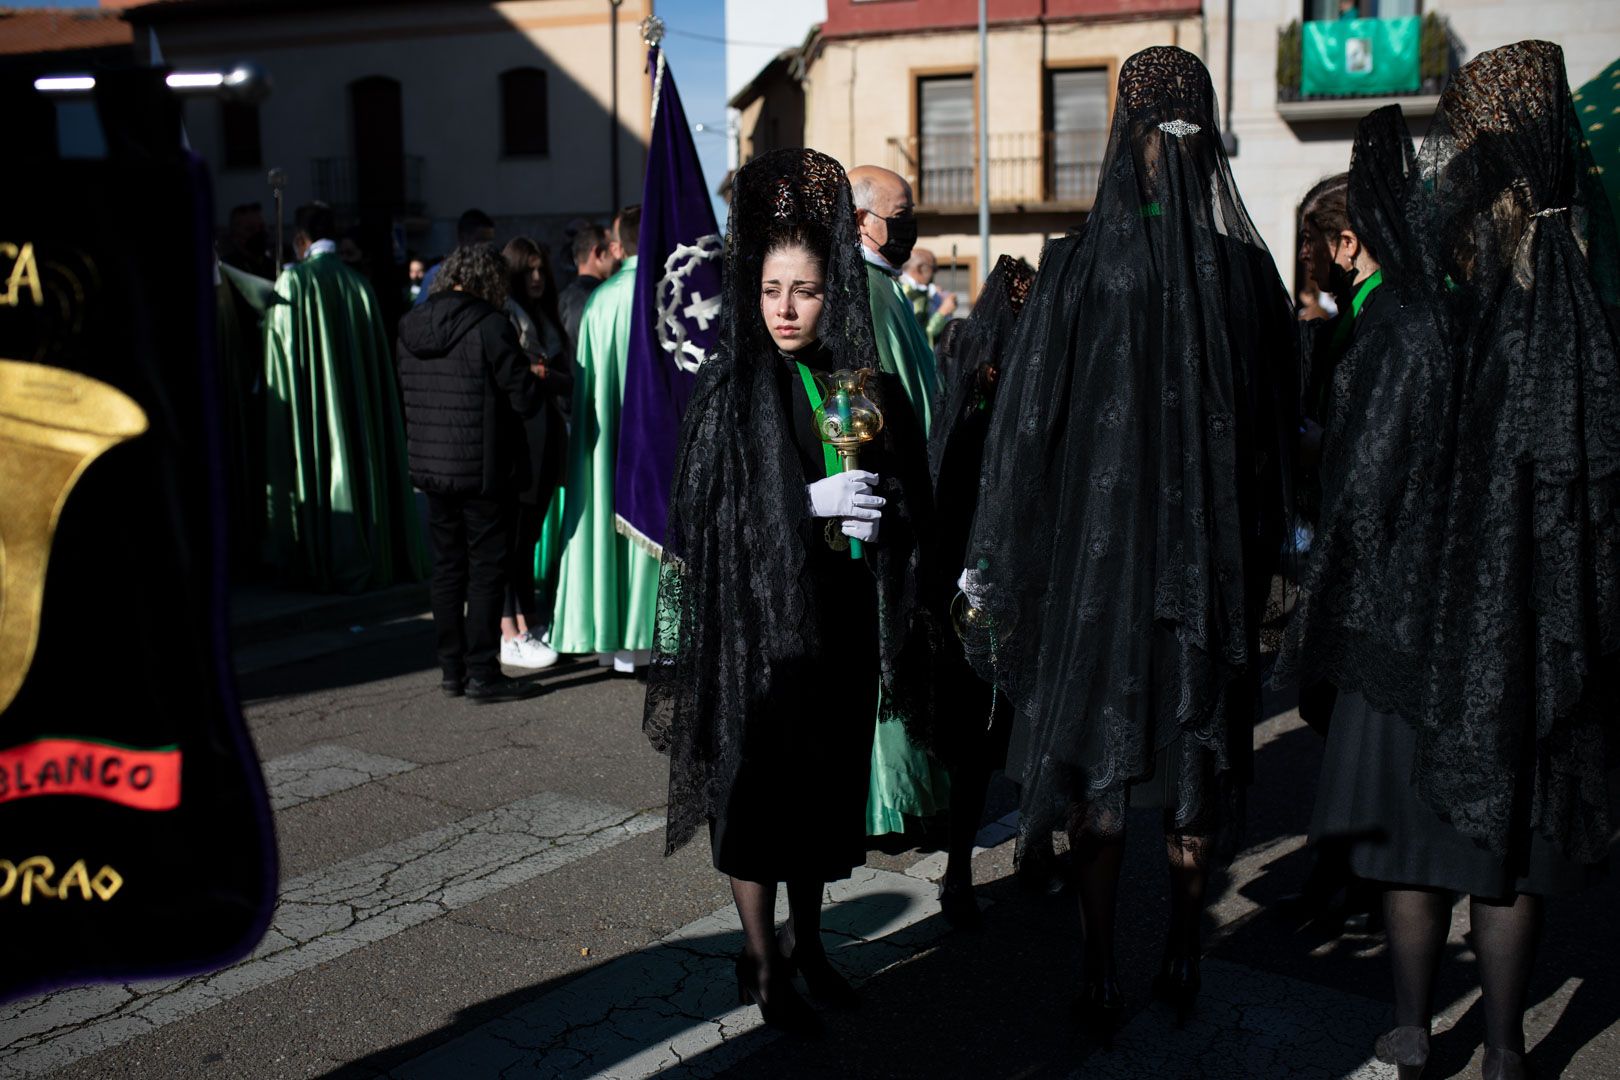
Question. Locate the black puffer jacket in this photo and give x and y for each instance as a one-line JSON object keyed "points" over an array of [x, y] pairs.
{"points": [[467, 388]]}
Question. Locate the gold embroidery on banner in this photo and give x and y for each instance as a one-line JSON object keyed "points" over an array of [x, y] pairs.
{"points": [[53, 424], [24, 271]]}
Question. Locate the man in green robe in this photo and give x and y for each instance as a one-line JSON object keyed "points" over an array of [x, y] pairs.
{"points": [[885, 215], [905, 780], [340, 512], [607, 587]]}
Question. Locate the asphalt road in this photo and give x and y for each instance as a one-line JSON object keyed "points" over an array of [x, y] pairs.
{"points": [[475, 892]]}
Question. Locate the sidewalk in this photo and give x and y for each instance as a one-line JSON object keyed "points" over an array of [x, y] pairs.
{"points": [[271, 626]]}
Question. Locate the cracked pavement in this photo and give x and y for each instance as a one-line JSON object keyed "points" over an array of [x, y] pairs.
{"points": [[482, 892]]}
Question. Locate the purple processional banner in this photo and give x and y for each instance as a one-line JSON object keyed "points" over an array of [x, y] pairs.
{"points": [[675, 318]]}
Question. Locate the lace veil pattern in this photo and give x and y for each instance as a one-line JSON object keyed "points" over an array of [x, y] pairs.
{"points": [[1133, 494]]}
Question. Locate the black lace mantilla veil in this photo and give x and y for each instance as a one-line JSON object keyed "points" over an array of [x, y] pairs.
{"points": [[734, 595], [1387, 453], [1133, 494], [973, 352], [1522, 589]]}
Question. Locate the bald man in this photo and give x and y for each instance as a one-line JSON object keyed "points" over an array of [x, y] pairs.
{"points": [[885, 215], [932, 305], [905, 781]]}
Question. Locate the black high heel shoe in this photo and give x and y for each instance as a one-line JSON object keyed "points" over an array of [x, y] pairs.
{"points": [[1100, 1009], [823, 980], [1406, 1048], [1177, 985], [960, 907], [1502, 1064], [786, 1010]]}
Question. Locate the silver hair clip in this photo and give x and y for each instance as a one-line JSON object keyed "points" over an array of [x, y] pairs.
{"points": [[1550, 211], [1178, 128]]}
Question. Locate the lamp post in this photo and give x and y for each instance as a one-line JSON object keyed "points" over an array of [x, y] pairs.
{"points": [[613, 108]]}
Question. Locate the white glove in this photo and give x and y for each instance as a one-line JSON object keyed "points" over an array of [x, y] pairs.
{"points": [[846, 495], [864, 531]]}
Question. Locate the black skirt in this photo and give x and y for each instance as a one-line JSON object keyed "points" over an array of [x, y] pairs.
{"points": [[1366, 799]]}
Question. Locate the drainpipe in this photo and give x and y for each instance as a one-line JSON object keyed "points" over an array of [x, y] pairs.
{"points": [[613, 104], [1228, 136], [984, 143]]}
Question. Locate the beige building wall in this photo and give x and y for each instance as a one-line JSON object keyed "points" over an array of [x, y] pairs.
{"points": [[860, 96], [1277, 161], [447, 58]]}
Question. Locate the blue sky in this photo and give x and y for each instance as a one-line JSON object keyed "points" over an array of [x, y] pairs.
{"points": [[700, 71]]}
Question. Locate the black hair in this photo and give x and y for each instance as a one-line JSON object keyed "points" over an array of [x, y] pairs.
{"points": [[316, 221], [627, 223], [470, 224], [587, 238]]}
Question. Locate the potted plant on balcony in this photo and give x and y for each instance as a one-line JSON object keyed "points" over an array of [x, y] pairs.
{"points": [[1290, 45]]}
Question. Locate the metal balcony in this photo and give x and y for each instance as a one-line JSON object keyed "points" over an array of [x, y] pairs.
{"points": [[1035, 169]]}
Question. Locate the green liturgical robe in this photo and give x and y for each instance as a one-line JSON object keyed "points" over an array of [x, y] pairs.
{"points": [[607, 588], [905, 780], [340, 512], [902, 346]]}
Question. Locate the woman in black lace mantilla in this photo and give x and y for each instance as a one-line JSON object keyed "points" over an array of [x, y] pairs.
{"points": [[1132, 508], [776, 650], [1464, 590]]}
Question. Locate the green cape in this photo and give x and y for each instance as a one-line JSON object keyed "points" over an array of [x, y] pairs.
{"points": [[340, 513], [607, 588], [905, 780]]}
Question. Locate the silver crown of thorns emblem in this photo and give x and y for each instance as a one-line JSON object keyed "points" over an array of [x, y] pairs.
{"points": [[676, 307]]}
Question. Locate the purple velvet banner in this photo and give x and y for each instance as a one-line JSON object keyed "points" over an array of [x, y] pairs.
{"points": [[675, 318]]}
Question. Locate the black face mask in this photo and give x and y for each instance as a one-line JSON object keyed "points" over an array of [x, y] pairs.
{"points": [[902, 238], [1340, 284]]}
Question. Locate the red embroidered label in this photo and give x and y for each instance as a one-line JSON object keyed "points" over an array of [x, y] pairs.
{"points": [[142, 779]]}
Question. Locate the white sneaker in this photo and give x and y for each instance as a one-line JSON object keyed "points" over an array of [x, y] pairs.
{"points": [[525, 652], [624, 662], [541, 654]]}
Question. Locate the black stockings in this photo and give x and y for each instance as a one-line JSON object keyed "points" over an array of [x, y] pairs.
{"points": [[1097, 862], [1504, 937], [1098, 856], [1189, 878], [1417, 921], [756, 907]]}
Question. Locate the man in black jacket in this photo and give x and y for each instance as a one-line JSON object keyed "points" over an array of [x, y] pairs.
{"points": [[467, 387]]}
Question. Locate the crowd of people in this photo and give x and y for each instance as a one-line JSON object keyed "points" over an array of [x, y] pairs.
{"points": [[1055, 556], [1069, 545]]}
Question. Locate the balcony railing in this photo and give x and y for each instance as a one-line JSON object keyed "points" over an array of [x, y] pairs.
{"points": [[1435, 61], [1041, 167], [337, 183]]}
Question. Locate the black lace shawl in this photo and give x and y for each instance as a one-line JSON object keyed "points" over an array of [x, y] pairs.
{"points": [[1521, 591], [1386, 455], [734, 597], [973, 351], [1133, 492]]}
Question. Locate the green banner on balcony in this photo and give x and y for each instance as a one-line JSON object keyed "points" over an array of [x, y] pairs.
{"points": [[1351, 57]]}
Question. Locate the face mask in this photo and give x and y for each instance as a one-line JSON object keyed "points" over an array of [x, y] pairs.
{"points": [[1341, 283], [902, 238]]}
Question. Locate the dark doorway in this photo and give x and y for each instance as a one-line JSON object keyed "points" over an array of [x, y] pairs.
{"points": [[378, 124]]}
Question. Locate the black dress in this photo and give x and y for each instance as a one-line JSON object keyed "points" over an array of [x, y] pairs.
{"points": [[797, 809]]}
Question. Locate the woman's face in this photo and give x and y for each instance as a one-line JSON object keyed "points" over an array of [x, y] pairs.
{"points": [[534, 281], [791, 293]]}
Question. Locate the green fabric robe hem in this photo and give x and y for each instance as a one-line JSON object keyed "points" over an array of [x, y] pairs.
{"points": [[607, 587]]}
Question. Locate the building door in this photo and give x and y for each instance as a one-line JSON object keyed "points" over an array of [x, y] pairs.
{"points": [[377, 123]]}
